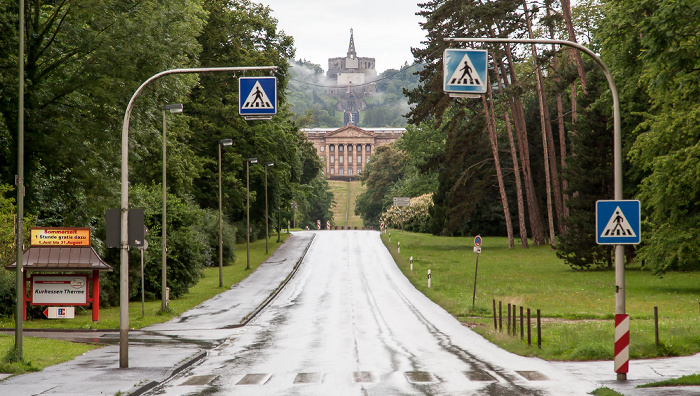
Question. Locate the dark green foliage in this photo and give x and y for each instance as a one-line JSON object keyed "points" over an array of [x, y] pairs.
{"points": [[381, 173], [589, 170], [655, 46], [465, 177]]}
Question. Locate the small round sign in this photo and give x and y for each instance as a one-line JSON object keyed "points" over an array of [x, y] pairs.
{"points": [[477, 240]]}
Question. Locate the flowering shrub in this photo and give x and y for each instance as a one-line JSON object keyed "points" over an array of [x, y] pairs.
{"points": [[415, 217]]}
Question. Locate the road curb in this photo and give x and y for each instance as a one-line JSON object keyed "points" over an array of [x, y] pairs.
{"points": [[139, 390], [279, 288]]}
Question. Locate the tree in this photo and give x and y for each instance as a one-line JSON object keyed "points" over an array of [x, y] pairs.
{"points": [[84, 59], [379, 175]]}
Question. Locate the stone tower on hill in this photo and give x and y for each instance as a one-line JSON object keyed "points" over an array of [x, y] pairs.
{"points": [[353, 78]]}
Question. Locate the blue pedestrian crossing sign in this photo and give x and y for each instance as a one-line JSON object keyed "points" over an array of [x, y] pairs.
{"points": [[618, 222], [257, 96], [465, 71]]}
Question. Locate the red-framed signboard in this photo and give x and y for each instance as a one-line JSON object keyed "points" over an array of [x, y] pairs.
{"points": [[62, 269]]}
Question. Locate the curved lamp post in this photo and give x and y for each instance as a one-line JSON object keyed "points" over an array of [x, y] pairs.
{"points": [[124, 201], [222, 142], [173, 108], [267, 236], [247, 212]]}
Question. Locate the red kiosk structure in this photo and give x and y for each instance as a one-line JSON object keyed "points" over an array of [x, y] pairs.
{"points": [[62, 269]]}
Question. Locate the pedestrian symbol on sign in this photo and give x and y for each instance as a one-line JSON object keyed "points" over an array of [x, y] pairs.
{"points": [[618, 225], [466, 75], [257, 98]]}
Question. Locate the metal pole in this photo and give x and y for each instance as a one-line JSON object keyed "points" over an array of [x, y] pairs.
{"points": [[163, 276], [476, 270], [124, 236], [617, 151], [143, 299], [266, 222], [247, 213], [221, 228], [21, 292]]}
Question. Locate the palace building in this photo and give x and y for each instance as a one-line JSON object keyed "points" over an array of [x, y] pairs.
{"points": [[345, 151]]}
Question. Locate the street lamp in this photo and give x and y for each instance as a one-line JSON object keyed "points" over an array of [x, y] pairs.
{"points": [[247, 187], [222, 142], [173, 108], [266, 222]]}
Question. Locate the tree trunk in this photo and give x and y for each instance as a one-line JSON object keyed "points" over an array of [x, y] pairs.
{"points": [[562, 131], [575, 54], [516, 166], [536, 225], [546, 134], [491, 125]]}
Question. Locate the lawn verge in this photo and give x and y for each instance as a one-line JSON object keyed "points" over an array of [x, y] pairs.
{"points": [[577, 307], [34, 349]]}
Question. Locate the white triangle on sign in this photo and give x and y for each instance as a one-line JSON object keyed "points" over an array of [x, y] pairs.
{"points": [[257, 98], [618, 226], [465, 75]]}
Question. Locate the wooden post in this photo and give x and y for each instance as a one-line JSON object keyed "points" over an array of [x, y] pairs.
{"points": [[656, 326], [522, 330], [500, 317], [495, 322], [515, 322], [529, 326], [508, 323], [539, 330], [95, 296]]}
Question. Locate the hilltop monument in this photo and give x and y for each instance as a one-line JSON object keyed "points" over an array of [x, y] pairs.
{"points": [[354, 78]]}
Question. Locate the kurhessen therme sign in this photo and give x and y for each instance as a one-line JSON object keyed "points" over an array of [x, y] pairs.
{"points": [[59, 289]]}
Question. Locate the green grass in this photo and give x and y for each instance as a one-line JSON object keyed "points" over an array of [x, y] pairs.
{"points": [[340, 190], [686, 380], [345, 194], [356, 188], [60, 351], [605, 392], [39, 353], [577, 306], [206, 288]]}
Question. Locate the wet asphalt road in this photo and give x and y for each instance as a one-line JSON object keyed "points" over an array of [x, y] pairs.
{"points": [[349, 323]]}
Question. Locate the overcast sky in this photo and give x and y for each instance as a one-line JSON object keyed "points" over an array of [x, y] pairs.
{"points": [[383, 29]]}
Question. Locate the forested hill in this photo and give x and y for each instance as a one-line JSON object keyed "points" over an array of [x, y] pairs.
{"points": [[387, 108]]}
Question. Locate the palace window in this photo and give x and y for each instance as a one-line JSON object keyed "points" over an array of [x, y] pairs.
{"points": [[359, 159], [350, 160], [350, 171], [340, 160], [359, 170], [340, 171], [332, 171], [332, 148], [367, 147], [323, 148], [340, 148], [349, 148], [332, 160]]}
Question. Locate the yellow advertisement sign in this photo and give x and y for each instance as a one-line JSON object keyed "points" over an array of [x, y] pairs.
{"points": [[60, 236]]}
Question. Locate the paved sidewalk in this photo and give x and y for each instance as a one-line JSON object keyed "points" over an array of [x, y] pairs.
{"points": [[160, 351], [642, 371]]}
